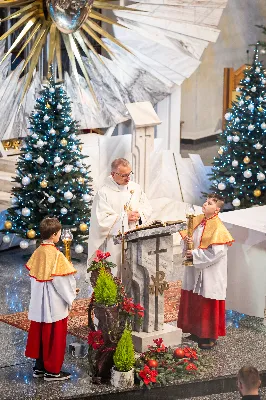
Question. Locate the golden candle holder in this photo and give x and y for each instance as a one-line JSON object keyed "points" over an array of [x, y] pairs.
{"points": [[188, 262], [67, 238]]}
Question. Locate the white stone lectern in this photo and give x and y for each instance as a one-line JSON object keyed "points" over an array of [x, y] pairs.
{"points": [[149, 254], [145, 119]]}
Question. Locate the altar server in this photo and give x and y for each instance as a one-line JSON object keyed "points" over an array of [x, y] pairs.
{"points": [[53, 289], [120, 202], [202, 303]]}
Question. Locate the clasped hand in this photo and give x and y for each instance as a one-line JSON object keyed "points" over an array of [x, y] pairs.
{"points": [[133, 216]]}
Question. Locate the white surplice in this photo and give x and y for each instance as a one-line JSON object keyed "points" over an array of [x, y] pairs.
{"points": [[208, 275], [107, 214], [51, 300]]}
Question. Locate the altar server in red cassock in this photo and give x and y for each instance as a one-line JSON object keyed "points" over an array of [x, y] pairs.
{"points": [[202, 303], [53, 289]]}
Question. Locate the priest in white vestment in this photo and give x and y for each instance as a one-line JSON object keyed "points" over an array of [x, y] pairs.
{"points": [[119, 202]]}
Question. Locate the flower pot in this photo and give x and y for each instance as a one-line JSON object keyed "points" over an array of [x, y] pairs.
{"points": [[107, 317], [123, 380]]}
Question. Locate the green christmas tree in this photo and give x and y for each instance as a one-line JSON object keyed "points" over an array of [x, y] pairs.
{"points": [[238, 171], [124, 357], [52, 177]]}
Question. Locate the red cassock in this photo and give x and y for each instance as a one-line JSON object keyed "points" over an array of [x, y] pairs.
{"points": [[47, 342], [200, 316]]}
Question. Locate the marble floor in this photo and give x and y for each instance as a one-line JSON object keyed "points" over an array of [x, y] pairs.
{"points": [[244, 344]]}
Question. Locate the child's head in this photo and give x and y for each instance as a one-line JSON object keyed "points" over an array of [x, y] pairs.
{"points": [[213, 204], [50, 229], [248, 381]]}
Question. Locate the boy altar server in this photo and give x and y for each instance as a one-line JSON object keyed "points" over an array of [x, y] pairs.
{"points": [[53, 289], [202, 303]]}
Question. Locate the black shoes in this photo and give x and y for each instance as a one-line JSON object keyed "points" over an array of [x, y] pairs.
{"points": [[62, 376], [38, 373]]}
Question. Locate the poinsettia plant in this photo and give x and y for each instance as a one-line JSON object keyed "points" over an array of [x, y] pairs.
{"points": [[95, 339], [161, 365], [100, 261]]}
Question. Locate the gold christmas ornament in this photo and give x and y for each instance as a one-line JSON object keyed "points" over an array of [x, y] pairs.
{"points": [[248, 97], [63, 142], [47, 105], [220, 151], [81, 180], [83, 227], [257, 192], [44, 184], [260, 109], [8, 225], [246, 160], [31, 233], [80, 147]]}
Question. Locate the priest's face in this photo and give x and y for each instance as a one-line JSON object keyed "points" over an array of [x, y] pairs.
{"points": [[210, 207], [122, 174]]}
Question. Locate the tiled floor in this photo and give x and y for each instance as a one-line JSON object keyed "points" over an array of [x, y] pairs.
{"points": [[244, 343]]}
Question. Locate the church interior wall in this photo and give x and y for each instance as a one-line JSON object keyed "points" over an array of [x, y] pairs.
{"points": [[202, 93]]}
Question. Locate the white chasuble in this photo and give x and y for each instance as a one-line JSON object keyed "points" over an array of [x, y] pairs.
{"points": [[107, 215]]}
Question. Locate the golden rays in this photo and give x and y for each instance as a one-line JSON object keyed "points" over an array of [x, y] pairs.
{"points": [[73, 21]]}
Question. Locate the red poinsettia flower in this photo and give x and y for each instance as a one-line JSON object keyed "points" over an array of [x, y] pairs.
{"points": [[141, 314], [128, 306], [190, 353], [101, 256], [106, 255], [191, 367], [158, 342], [148, 375], [95, 339]]}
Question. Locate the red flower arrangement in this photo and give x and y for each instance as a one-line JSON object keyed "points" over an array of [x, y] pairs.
{"points": [[95, 339], [161, 365]]}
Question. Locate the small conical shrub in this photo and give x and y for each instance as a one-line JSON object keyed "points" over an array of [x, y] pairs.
{"points": [[105, 291], [124, 357]]}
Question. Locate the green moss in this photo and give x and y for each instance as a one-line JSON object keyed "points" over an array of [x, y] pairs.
{"points": [[105, 291], [124, 357]]}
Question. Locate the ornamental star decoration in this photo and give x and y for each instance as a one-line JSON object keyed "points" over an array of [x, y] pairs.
{"points": [[72, 21]]}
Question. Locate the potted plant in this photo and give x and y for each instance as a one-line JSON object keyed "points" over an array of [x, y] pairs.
{"points": [[105, 303], [100, 261], [122, 374]]}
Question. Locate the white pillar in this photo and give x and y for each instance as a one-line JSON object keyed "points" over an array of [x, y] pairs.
{"points": [[169, 112], [145, 119]]}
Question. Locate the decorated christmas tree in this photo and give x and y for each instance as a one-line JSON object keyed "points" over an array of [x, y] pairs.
{"points": [[238, 171], [52, 176]]}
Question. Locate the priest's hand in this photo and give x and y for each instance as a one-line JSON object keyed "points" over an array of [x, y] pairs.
{"points": [[189, 254], [133, 216]]}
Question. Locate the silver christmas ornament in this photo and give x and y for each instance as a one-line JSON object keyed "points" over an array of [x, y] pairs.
{"points": [[236, 202], [40, 160], [68, 195], [25, 181], [25, 212], [24, 244]]}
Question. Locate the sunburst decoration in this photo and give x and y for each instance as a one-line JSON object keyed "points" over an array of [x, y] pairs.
{"points": [[73, 21]]}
